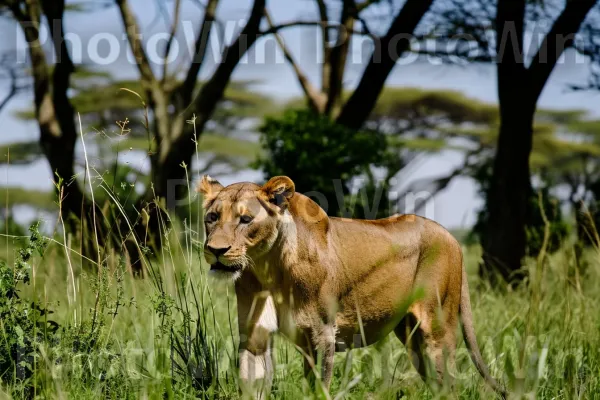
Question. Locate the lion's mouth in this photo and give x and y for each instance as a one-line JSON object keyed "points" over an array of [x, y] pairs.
{"points": [[218, 266]]}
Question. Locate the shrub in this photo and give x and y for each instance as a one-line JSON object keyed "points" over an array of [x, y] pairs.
{"points": [[323, 157], [24, 325]]}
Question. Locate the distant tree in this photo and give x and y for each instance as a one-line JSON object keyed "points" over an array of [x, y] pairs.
{"points": [[505, 241], [114, 126], [579, 173], [403, 113], [55, 114], [536, 223]]}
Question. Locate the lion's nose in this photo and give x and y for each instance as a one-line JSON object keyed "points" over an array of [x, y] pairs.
{"points": [[218, 251]]}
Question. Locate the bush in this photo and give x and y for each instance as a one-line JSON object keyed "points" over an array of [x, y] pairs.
{"points": [[322, 157], [35, 350], [24, 325]]}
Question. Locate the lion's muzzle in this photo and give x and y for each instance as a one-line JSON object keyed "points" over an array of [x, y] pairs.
{"points": [[218, 266]]}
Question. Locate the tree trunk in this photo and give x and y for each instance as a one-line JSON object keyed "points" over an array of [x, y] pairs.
{"points": [[59, 151], [54, 112], [168, 176], [504, 241]]}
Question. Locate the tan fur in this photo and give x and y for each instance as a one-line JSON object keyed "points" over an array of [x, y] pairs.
{"points": [[328, 282]]}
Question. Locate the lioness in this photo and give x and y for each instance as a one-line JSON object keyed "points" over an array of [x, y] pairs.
{"points": [[325, 282]]}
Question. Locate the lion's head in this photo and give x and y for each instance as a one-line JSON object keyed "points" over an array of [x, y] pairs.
{"points": [[242, 221]]}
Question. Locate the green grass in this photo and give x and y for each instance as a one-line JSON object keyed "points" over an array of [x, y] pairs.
{"points": [[561, 350]]}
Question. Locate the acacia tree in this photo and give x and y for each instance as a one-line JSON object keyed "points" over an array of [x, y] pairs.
{"points": [[171, 101], [520, 87], [53, 109], [340, 23], [497, 31]]}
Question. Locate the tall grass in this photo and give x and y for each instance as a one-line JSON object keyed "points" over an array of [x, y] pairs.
{"points": [[174, 333]]}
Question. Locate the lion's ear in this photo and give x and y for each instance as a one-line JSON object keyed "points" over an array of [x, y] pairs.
{"points": [[279, 190], [208, 188]]}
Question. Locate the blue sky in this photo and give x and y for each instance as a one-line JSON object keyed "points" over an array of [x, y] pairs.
{"points": [[455, 207]]}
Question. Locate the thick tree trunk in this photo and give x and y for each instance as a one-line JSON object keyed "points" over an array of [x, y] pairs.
{"points": [[168, 176], [59, 151], [504, 241], [167, 191], [59, 146], [54, 112]]}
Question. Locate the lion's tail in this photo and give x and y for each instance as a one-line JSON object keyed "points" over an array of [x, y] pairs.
{"points": [[466, 317]]}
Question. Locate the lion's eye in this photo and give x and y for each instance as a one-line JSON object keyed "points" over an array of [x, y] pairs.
{"points": [[211, 217], [246, 219]]}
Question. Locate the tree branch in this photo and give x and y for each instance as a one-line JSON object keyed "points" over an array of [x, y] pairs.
{"points": [[459, 30], [324, 22], [212, 91], [356, 14], [387, 51], [214, 88], [338, 57], [172, 33], [200, 47], [7, 63], [560, 37], [12, 91], [362, 6], [440, 183], [510, 25], [315, 98], [296, 23], [132, 29]]}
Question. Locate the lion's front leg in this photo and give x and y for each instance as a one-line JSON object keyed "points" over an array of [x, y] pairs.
{"points": [[257, 321], [256, 371]]}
